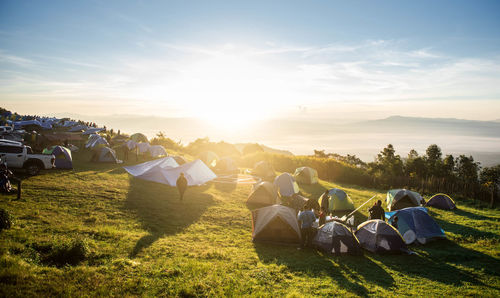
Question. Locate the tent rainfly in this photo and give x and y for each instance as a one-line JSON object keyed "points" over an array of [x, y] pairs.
{"points": [[415, 224], [286, 185], [441, 201], [306, 175], [166, 171], [402, 198], [157, 151], [276, 224]]}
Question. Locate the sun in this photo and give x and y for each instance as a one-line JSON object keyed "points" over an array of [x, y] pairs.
{"points": [[229, 91]]}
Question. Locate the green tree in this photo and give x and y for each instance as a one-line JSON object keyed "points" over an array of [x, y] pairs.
{"points": [[434, 161], [389, 162], [490, 178]]}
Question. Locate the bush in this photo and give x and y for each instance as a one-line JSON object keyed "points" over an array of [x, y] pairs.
{"points": [[68, 253], [5, 220]]}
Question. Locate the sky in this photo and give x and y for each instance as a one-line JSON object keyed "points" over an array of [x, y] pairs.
{"points": [[234, 62]]}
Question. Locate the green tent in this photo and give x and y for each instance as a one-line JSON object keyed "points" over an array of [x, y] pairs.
{"points": [[338, 201], [139, 137], [402, 198], [306, 175]]}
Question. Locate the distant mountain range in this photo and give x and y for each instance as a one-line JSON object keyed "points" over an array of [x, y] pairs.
{"points": [[365, 139], [449, 126]]}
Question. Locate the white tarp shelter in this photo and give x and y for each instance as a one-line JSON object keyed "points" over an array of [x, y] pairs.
{"points": [[166, 171]]}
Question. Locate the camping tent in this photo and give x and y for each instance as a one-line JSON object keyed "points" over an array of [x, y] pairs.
{"points": [[209, 158], [286, 185], [338, 201], [263, 169], [90, 131], [143, 147], [441, 201], [379, 237], [306, 175], [334, 237], [95, 140], [167, 171], [63, 156], [157, 151], [130, 144], [276, 224], [78, 128], [226, 165], [106, 154], [139, 137], [263, 194], [415, 224], [179, 159], [402, 198]]}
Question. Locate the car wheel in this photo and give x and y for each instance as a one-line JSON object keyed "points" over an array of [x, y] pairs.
{"points": [[33, 169]]}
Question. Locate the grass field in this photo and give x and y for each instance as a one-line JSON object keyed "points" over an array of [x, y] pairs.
{"points": [[139, 239]]}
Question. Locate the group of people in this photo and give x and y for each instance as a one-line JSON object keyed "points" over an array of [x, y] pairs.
{"points": [[307, 217]]}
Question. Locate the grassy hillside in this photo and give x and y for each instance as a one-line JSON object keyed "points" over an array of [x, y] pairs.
{"points": [[139, 239]]}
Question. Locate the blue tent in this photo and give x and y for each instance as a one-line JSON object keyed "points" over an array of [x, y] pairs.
{"points": [[63, 156], [415, 224]]}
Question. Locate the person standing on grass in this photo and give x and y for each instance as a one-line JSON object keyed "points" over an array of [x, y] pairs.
{"points": [[376, 211], [306, 219], [182, 184]]}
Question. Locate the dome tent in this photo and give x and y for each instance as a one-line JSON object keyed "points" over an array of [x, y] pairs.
{"points": [[338, 201], [263, 194], [379, 237], [139, 137], [276, 224], [441, 201], [414, 224], [335, 237], [106, 154], [157, 151], [306, 175], [264, 170], [63, 156], [402, 198], [286, 185]]}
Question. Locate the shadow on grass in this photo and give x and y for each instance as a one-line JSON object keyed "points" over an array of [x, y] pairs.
{"points": [[471, 215], [225, 187], [349, 272], [464, 231], [160, 210], [439, 261]]}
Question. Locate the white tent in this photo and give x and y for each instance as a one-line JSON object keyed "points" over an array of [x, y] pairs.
{"points": [[92, 130], [163, 163], [95, 140], [77, 128], [286, 185], [157, 151], [167, 171], [130, 144], [143, 147]]}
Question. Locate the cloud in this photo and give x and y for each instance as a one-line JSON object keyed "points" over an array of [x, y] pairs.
{"points": [[179, 76]]}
